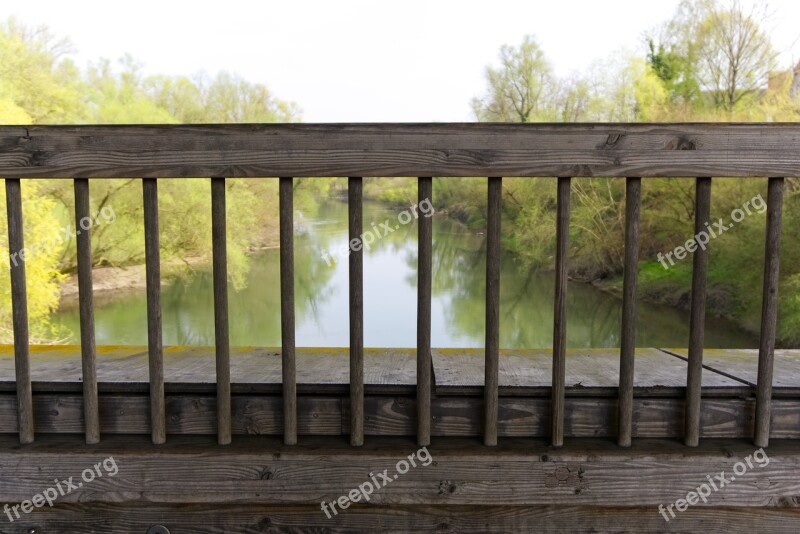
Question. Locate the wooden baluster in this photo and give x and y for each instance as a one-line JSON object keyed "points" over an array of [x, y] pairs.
{"points": [[694, 379], [355, 223], [288, 365], [633, 187], [155, 348], [19, 306], [491, 380], [424, 289], [769, 312], [560, 313], [83, 232], [221, 328]]}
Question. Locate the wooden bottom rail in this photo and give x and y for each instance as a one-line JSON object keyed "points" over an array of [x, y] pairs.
{"points": [[394, 415], [101, 518], [257, 484]]}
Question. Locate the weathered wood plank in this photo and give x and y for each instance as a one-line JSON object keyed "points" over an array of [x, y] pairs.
{"points": [[697, 318], [401, 150], [260, 470], [769, 311], [155, 339], [105, 518], [633, 196], [191, 369], [356, 297], [83, 231], [742, 364], [288, 363], [221, 318], [387, 415], [492, 344], [186, 414], [19, 310], [424, 296], [589, 372], [560, 311]]}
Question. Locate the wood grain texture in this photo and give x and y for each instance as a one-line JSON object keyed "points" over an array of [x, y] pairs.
{"points": [[769, 311], [259, 470], [19, 310], [492, 344], [155, 340], [560, 311], [589, 372], [121, 369], [250, 150], [633, 196], [288, 365], [386, 415], [108, 518], [697, 314], [356, 302], [742, 365], [424, 296], [83, 231], [221, 318]]}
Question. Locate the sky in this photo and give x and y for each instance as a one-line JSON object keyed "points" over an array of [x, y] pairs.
{"points": [[357, 60]]}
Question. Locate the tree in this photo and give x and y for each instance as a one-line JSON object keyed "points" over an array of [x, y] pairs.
{"points": [[736, 55], [36, 77], [226, 98], [521, 89], [43, 244], [718, 48], [675, 71]]}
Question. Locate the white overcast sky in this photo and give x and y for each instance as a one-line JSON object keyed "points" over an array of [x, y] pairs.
{"points": [[356, 60]]}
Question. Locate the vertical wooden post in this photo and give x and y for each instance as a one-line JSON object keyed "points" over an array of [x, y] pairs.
{"points": [[287, 311], [221, 329], [694, 378], [491, 378], [769, 312], [633, 187], [19, 310], [356, 312], [560, 313], [155, 349], [83, 232], [424, 290]]}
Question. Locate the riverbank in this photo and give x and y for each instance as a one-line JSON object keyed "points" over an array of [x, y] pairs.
{"points": [[675, 293], [110, 283]]}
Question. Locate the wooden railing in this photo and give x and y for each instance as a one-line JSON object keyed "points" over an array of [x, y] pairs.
{"points": [[630, 151]]}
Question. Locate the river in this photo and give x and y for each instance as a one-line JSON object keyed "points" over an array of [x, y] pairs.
{"points": [[526, 307]]}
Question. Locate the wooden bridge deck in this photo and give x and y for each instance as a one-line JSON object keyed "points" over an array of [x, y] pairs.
{"points": [[390, 386], [124, 368]]}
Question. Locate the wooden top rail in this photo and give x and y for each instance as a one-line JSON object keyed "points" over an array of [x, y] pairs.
{"points": [[469, 149]]}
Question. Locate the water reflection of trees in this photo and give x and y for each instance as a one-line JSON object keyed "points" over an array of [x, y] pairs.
{"points": [[526, 298]]}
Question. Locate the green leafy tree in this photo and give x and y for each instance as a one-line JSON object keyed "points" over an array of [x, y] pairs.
{"points": [[715, 53], [520, 89], [43, 242], [37, 77]]}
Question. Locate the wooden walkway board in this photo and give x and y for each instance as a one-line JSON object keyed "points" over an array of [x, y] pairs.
{"points": [[586, 369], [125, 368], [743, 364], [456, 371]]}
